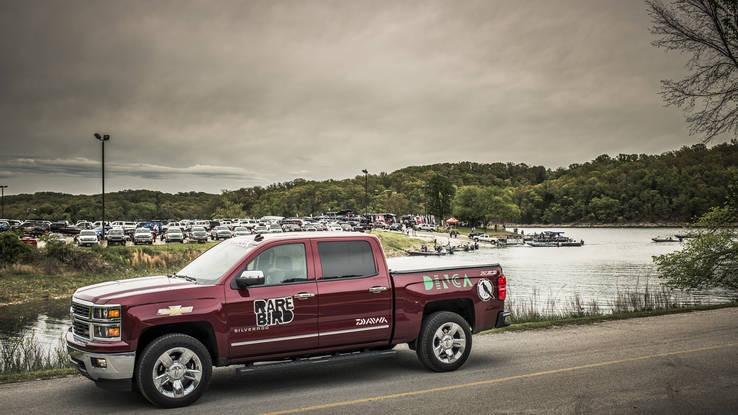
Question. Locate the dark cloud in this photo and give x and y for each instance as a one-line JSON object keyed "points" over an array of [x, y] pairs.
{"points": [[252, 92]]}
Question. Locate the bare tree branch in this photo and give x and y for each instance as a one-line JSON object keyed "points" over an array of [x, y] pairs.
{"points": [[708, 31]]}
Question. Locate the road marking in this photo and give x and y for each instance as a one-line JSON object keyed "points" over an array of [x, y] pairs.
{"points": [[494, 381]]}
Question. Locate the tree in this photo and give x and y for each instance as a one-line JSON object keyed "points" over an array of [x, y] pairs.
{"points": [[707, 30], [500, 205], [469, 205], [709, 260], [439, 195], [229, 210]]}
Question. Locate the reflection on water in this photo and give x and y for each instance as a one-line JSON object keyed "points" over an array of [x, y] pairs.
{"points": [[610, 260]]}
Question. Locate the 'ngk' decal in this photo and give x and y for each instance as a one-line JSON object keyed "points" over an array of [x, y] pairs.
{"points": [[371, 321]]}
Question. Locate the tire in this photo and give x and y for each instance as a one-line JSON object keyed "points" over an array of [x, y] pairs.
{"points": [[454, 331], [174, 345]]}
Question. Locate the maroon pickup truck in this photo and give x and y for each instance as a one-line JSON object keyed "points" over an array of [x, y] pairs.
{"points": [[277, 298]]}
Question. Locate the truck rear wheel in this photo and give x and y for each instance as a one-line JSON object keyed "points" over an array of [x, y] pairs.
{"points": [[445, 341], [173, 371]]}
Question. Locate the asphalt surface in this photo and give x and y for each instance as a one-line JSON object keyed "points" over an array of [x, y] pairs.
{"points": [[682, 363]]}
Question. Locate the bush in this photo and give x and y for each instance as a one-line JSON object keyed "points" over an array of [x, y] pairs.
{"points": [[12, 250], [74, 257]]}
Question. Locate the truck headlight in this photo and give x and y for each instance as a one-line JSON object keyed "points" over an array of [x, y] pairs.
{"points": [[106, 313], [107, 332]]}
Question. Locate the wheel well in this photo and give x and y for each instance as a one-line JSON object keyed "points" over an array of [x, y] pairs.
{"points": [[200, 330], [462, 307]]}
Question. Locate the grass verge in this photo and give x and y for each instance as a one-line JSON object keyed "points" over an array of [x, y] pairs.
{"points": [[37, 375], [592, 319]]}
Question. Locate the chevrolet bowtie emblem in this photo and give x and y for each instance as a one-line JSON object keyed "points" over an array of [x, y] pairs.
{"points": [[174, 310]]}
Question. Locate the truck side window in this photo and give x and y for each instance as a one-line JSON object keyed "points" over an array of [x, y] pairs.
{"points": [[346, 259], [281, 264]]}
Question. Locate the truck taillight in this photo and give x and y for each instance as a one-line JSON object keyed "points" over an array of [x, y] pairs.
{"points": [[501, 287]]}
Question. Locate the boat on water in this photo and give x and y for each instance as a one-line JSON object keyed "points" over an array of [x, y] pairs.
{"points": [[660, 239], [543, 244], [426, 253], [549, 239]]}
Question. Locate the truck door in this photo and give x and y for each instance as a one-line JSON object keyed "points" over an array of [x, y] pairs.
{"points": [[281, 315], [355, 293]]}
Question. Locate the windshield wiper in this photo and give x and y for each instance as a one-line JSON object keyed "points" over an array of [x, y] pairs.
{"points": [[185, 277]]}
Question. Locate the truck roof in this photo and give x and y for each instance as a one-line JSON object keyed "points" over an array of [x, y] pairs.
{"points": [[297, 235]]}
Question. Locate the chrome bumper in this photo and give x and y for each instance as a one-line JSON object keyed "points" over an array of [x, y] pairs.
{"points": [[118, 366]]}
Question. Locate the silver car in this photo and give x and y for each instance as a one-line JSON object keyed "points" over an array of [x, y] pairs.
{"points": [[143, 236], [87, 238]]}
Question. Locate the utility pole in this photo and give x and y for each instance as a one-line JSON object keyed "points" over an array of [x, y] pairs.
{"points": [[2, 199], [103, 138], [366, 191]]}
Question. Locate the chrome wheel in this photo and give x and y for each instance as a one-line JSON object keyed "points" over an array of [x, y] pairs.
{"points": [[449, 342], [177, 372]]}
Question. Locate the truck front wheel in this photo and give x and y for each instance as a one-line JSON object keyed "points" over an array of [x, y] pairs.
{"points": [[173, 370], [445, 341]]}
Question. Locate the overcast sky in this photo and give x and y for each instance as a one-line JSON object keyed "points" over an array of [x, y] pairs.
{"points": [[219, 95]]}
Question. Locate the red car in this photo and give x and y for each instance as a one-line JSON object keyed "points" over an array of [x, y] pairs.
{"points": [[284, 297]]}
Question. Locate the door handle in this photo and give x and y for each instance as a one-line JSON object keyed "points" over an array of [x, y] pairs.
{"points": [[304, 295], [377, 289]]}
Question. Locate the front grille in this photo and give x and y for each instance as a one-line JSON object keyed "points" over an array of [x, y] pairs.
{"points": [[81, 310], [81, 329]]}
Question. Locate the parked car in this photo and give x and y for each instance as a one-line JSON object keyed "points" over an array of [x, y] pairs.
{"points": [[220, 232], [166, 330], [335, 228], [83, 224], [4, 225], [116, 236], [198, 234], [426, 227], [35, 227], [29, 240], [63, 227], [87, 237], [174, 234], [143, 236], [241, 231]]}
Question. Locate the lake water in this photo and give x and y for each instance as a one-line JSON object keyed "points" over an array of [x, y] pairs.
{"points": [[611, 260]]}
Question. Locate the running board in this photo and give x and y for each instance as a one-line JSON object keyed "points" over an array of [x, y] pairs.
{"points": [[307, 361]]}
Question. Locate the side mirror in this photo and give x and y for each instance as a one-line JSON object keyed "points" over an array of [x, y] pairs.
{"points": [[249, 278]]}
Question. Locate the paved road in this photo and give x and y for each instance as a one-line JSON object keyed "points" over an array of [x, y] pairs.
{"points": [[685, 363]]}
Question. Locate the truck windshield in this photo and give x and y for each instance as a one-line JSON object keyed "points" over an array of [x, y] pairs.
{"points": [[213, 263]]}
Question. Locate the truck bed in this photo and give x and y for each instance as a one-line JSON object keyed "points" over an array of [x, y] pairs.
{"points": [[423, 284]]}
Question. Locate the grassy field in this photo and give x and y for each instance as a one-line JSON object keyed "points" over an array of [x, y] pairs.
{"points": [[395, 243], [56, 274]]}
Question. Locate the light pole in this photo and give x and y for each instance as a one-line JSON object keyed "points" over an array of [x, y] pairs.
{"points": [[103, 138], [2, 199], [366, 191]]}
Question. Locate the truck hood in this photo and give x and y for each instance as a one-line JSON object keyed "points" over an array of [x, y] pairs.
{"points": [[161, 287]]}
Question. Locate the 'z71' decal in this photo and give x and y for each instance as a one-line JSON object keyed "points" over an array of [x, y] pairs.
{"points": [[273, 311]]}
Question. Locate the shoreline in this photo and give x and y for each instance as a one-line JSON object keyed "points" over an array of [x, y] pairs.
{"points": [[603, 225]]}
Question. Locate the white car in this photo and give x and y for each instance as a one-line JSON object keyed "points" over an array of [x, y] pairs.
{"points": [[485, 238], [174, 234], [220, 232], [241, 231], [87, 237], [426, 227], [335, 228]]}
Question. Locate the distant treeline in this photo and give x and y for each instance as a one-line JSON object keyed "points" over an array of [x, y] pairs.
{"points": [[675, 186]]}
